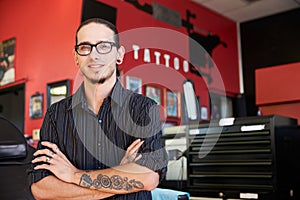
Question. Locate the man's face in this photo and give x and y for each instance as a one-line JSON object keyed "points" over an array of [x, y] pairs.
{"points": [[96, 67]]}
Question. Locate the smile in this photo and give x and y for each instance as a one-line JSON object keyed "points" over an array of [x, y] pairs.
{"points": [[96, 66]]}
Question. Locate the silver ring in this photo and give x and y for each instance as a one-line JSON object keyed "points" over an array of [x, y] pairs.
{"points": [[48, 159]]}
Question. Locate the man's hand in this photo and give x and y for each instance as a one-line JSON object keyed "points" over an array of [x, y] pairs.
{"points": [[131, 152], [55, 161]]}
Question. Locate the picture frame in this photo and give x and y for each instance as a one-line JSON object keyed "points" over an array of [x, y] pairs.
{"points": [[134, 84], [57, 91], [221, 106], [7, 61], [36, 106], [173, 104], [204, 113], [154, 93]]}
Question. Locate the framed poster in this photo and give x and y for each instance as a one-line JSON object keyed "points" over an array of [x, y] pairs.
{"points": [[154, 93], [134, 84], [220, 106], [57, 91], [36, 106], [7, 60], [173, 104]]}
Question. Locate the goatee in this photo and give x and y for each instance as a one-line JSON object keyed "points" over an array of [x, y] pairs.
{"points": [[102, 80]]}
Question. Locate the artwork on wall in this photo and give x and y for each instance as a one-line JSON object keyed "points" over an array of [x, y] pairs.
{"points": [[220, 106], [57, 91], [134, 84], [7, 60], [154, 93], [36, 106], [173, 104], [204, 114]]}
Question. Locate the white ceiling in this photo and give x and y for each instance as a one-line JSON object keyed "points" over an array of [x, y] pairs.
{"points": [[245, 10]]}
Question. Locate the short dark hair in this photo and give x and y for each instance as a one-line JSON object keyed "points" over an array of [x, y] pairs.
{"points": [[100, 21]]}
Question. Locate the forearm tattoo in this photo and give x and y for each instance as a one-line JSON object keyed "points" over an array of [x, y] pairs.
{"points": [[114, 182]]}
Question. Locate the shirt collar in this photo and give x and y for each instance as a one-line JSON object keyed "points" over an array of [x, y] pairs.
{"points": [[118, 95]]}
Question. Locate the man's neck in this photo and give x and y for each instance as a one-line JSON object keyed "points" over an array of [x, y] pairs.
{"points": [[96, 93]]}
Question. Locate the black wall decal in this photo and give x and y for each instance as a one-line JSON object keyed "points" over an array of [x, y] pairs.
{"points": [[198, 55], [92, 8]]}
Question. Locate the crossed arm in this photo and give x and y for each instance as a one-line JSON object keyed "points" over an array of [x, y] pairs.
{"points": [[69, 182]]}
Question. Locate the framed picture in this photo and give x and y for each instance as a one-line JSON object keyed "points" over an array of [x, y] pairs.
{"points": [[7, 61], [57, 91], [204, 114], [36, 106], [220, 106], [154, 93], [134, 84], [173, 104]]}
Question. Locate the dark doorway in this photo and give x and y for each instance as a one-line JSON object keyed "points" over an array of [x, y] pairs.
{"points": [[12, 101]]}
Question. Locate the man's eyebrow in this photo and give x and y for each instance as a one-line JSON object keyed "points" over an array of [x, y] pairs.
{"points": [[84, 42]]}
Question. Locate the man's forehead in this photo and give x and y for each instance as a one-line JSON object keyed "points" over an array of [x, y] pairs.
{"points": [[95, 31]]}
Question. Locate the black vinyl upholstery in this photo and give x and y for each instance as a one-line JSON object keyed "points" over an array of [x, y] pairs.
{"points": [[15, 158]]}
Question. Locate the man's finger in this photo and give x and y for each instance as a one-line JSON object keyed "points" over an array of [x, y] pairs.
{"points": [[41, 159], [43, 166], [50, 145], [137, 147], [135, 142], [138, 157]]}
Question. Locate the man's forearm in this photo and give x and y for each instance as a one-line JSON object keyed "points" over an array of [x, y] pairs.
{"points": [[118, 180], [52, 188], [122, 179]]}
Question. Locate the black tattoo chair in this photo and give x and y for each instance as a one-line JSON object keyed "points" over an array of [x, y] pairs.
{"points": [[15, 158]]}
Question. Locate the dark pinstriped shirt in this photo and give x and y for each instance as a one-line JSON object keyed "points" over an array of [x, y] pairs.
{"points": [[99, 141]]}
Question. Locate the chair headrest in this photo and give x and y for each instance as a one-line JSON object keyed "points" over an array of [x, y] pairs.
{"points": [[13, 144]]}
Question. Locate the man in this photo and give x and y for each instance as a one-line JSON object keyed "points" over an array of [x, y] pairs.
{"points": [[84, 137]]}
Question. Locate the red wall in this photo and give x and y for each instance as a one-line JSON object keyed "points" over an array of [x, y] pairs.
{"points": [[45, 32], [226, 59], [277, 90]]}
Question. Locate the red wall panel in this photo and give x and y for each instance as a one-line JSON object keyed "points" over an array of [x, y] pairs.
{"points": [[45, 33], [277, 84], [278, 91]]}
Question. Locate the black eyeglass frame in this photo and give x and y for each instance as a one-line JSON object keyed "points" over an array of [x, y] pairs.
{"points": [[95, 45]]}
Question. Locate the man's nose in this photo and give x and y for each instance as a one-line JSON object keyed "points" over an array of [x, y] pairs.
{"points": [[94, 53]]}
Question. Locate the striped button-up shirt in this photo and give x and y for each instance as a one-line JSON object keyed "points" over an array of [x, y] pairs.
{"points": [[99, 141]]}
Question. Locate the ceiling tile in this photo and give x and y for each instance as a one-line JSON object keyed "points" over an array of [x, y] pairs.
{"points": [[241, 10], [222, 6]]}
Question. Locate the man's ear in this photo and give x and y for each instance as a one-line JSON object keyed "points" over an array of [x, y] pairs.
{"points": [[121, 53], [75, 56]]}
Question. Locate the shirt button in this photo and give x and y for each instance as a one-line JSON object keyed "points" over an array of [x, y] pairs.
{"points": [[100, 121]]}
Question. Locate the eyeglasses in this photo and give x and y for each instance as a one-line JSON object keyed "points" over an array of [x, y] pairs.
{"points": [[103, 47]]}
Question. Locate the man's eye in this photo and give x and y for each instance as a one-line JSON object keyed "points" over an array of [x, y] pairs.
{"points": [[103, 46], [84, 47]]}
